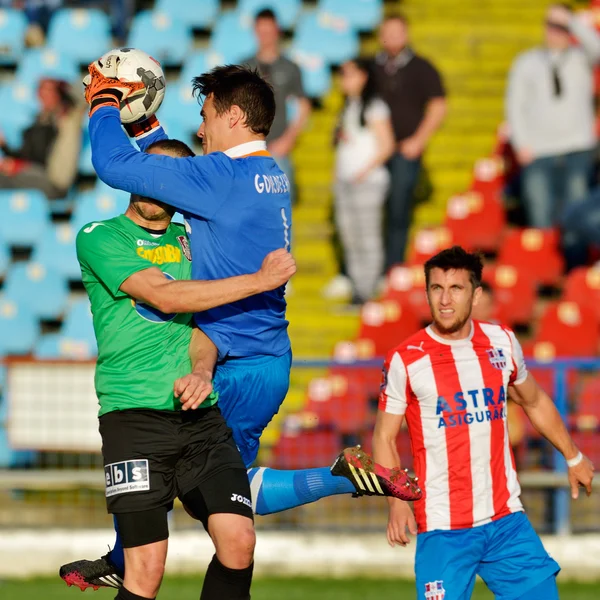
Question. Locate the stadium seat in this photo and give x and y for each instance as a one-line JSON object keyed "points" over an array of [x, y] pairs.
{"points": [[84, 165], [195, 64], [46, 62], [82, 34], [488, 178], [25, 217], [587, 410], [181, 108], [4, 258], [13, 25], [78, 322], [40, 289], [18, 107], [56, 250], [582, 285], [162, 36], [316, 74], [535, 252], [387, 324], [198, 14], [428, 242], [406, 285], [54, 346], [571, 329], [306, 449], [476, 222], [19, 328], [362, 15], [331, 38], [233, 38], [514, 294], [98, 205], [286, 11]]}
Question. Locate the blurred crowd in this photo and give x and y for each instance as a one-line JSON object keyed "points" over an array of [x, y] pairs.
{"points": [[393, 103]]}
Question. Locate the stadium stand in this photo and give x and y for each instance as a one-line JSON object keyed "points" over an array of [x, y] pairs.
{"points": [[56, 249], [286, 11], [25, 218], [362, 16], [46, 62], [197, 14], [13, 24], [232, 39]]}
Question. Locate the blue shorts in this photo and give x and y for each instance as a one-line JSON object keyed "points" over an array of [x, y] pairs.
{"points": [[251, 390], [507, 554]]}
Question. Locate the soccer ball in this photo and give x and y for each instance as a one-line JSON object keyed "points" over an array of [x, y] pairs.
{"points": [[136, 65]]}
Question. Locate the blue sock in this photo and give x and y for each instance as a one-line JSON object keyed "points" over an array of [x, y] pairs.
{"points": [[274, 491], [116, 556]]}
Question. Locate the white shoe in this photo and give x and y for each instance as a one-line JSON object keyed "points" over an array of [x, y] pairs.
{"points": [[339, 288]]}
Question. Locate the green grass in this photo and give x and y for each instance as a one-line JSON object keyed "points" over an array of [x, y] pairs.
{"points": [[188, 588]]}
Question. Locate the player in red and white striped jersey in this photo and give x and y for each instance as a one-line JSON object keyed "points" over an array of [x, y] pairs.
{"points": [[451, 382]]}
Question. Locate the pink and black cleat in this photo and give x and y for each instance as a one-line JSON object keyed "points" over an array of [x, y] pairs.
{"points": [[371, 479], [91, 574]]}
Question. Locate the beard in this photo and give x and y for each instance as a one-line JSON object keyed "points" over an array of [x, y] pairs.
{"points": [[458, 324], [166, 211]]}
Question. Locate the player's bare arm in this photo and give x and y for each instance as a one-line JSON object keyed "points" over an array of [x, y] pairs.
{"points": [[546, 419], [151, 286], [194, 388], [385, 452]]}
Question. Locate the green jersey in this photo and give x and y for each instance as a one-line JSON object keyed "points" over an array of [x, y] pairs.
{"points": [[141, 351]]}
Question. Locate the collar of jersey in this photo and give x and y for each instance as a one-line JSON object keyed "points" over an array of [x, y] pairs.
{"points": [[442, 340], [256, 148]]}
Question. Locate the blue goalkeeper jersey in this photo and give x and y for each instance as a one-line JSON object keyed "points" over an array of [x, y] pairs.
{"points": [[237, 209]]}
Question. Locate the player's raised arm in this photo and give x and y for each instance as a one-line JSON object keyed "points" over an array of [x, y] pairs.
{"points": [[151, 286], [193, 185]]}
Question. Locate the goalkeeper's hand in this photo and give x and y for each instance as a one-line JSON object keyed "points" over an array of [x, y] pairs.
{"points": [[103, 88]]}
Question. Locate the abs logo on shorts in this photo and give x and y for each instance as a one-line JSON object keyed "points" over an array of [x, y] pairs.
{"points": [[127, 476], [242, 499], [434, 590]]}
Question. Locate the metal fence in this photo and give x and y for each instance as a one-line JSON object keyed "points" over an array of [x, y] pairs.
{"points": [[53, 476]]}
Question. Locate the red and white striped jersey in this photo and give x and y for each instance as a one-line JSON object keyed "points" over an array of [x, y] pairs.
{"points": [[453, 393]]}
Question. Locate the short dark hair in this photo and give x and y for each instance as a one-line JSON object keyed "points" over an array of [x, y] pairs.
{"points": [[265, 13], [396, 16], [456, 258], [174, 147], [240, 86]]}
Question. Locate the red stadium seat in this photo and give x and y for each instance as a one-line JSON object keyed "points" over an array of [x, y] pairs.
{"points": [[535, 252], [427, 243], [571, 328], [306, 449], [582, 285], [543, 352], [476, 220], [488, 178], [387, 324], [406, 285], [587, 412], [588, 442], [514, 294]]}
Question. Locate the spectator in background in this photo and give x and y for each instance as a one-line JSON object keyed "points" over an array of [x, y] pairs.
{"points": [[48, 157], [550, 112], [286, 80], [485, 309], [413, 89], [364, 145]]}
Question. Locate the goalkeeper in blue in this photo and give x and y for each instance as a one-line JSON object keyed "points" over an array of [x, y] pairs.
{"points": [[236, 204]]}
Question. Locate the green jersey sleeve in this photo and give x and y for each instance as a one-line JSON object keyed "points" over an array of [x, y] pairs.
{"points": [[106, 254]]}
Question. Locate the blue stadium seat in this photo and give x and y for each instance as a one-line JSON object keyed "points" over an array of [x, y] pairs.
{"points": [[162, 36], [25, 216], [98, 205], [46, 62], [200, 14], [19, 328], [56, 346], [286, 10], [195, 64], [77, 337], [331, 38], [13, 25], [18, 107], [85, 166], [2, 379], [56, 250], [4, 259], [83, 34], [41, 289], [316, 74], [362, 15], [181, 108], [233, 38]]}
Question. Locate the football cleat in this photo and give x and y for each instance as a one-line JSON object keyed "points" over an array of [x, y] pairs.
{"points": [[91, 574], [371, 479]]}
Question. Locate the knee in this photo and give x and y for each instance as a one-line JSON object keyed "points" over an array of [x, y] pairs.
{"points": [[235, 546], [144, 572]]}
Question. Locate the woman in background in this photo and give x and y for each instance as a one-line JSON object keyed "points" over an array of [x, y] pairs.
{"points": [[365, 142]]}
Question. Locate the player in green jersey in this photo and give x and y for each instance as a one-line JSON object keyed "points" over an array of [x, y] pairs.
{"points": [[135, 269]]}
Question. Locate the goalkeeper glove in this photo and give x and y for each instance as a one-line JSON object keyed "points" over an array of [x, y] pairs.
{"points": [[141, 128], [103, 88]]}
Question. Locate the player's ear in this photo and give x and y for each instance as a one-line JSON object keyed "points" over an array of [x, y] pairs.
{"points": [[477, 295], [236, 116]]}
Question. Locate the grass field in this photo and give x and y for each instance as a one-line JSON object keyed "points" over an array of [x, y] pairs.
{"points": [[188, 588]]}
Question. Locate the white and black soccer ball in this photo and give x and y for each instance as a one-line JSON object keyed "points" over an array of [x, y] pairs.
{"points": [[136, 65]]}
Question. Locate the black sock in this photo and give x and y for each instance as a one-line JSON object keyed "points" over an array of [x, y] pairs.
{"points": [[125, 594], [221, 582]]}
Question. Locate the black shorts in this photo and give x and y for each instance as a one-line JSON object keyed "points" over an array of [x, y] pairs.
{"points": [[151, 457]]}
